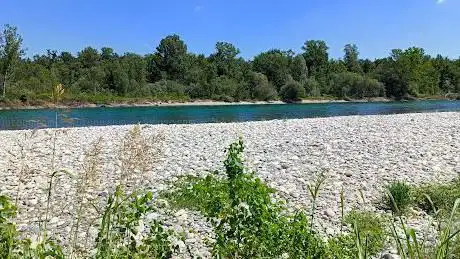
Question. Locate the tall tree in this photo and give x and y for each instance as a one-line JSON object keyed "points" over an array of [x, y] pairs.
{"points": [[351, 58], [275, 65], [10, 53], [171, 57], [89, 57], [316, 56], [224, 58], [298, 68]]}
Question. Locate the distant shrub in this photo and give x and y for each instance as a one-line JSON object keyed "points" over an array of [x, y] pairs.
{"points": [[223, 86], [353, 85], [167, 88], [261, 88], [292, 91], [312, 87], [400, 196]]}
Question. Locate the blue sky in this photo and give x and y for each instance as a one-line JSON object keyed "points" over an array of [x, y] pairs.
{"points": [[376, 26]]}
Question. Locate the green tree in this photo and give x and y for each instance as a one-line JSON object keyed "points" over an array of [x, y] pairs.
{"points": [[274, 64], [108, 53], [298, 68], [89, 57], [351, 58], [316, 57], [224, 58], [171, 57], [260, 88], [354, 85], [10, 54], [292, 91]]}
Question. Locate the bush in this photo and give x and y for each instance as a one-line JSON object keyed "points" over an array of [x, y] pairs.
{"points": [[371, 230], [400, 196], [167, 88], [348, 84], [312, 87], [441, 196], [260, 87], [248, 223], [207, 195], [292, 91], [121, 235]]}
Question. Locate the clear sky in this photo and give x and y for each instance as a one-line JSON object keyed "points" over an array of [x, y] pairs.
{"points": [[376, 26]]}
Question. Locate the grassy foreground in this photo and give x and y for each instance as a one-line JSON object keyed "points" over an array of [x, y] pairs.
{"points": [[248, 222]]}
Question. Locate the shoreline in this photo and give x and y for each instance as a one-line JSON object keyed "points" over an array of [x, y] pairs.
{"points": [[77, 105], [140, 103]]}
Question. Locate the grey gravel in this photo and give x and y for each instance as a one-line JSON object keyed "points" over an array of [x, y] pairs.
{"points": [[356, 153]]}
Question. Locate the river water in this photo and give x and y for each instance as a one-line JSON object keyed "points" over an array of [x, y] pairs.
{"points": [[101, 116]]}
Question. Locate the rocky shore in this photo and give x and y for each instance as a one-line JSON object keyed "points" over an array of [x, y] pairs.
{"points": [[356, 153]]}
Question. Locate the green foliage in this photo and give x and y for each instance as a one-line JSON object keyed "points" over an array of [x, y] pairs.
{"points": [[399, 196], [312, 87], [260, 88], [248, 223], [349, 84], [222, 75], [292, 91], [351, 58], [316, 57], [275, 65], [171, 57], [121, 234], [371, 228], [207, 195], [411, 247], [437, 198], [11, 246]]}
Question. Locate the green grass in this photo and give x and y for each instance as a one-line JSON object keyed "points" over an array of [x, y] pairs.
{"points": [[207, 195], [437, 197], [401, 196]]}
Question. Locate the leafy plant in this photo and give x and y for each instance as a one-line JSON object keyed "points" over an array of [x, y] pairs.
{"points": [[401, 196], [367, 238], [437, 198], [208, 195], [121, 234]]}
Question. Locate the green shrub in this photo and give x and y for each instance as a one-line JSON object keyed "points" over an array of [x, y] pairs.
{"points": [[368, 227], [371, 229], [400, 197], [207, 195], [441, 196], [249, 223], [119, 235], [292, 91], [260, 87], [11, 246], [349, 84]]}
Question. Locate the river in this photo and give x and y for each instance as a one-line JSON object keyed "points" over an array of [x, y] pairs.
{"points": [[101, 116]]}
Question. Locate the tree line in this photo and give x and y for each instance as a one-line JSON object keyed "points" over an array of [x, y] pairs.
{"points": [[171, 72]]}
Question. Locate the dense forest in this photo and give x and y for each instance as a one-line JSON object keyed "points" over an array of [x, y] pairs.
{"points": [[171, 72]]}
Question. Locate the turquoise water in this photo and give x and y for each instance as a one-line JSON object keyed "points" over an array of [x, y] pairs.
{"points": [[79, 117]]}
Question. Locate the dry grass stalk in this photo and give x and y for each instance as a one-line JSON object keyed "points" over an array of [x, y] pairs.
{"points": [[88, 183], [137, 155]]}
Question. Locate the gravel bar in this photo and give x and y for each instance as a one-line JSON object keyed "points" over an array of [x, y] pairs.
{"points": [[356, 153]]}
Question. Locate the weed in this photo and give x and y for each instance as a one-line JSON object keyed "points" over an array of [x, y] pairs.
{"points": [[401, 196], [208, 195], [122, 234], [137, 155], [441, 197]]}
